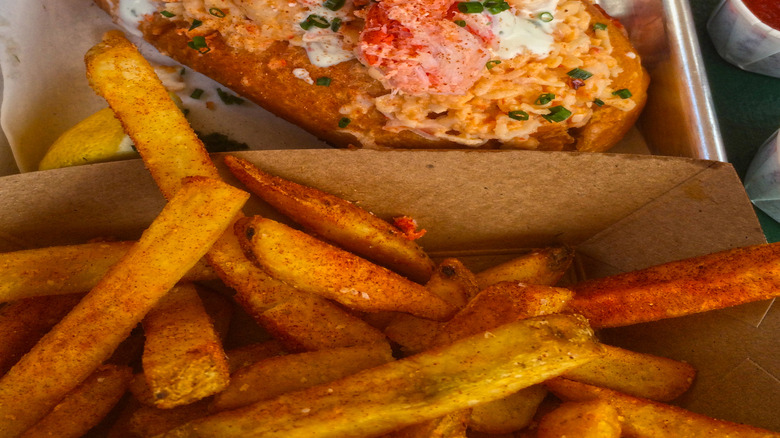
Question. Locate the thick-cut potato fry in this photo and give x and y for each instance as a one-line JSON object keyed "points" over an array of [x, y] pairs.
{"points": [[314, 266], [452, 425], [249, 354], [542, 266], [683, 287], [183, 359], [69, 269], [417, 388], [645, 418], [24, 322], [451, 281], [179, 236], [171, 151], [84, 406], [337, 220], [501, 303], [585, 419], [509, 414], [641, 375], [275, 376]]}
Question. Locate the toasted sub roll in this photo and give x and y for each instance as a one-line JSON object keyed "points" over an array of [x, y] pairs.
{"points": [[417, 74]]}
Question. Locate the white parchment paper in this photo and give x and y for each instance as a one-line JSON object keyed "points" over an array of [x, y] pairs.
{"points": [[45, 91]]}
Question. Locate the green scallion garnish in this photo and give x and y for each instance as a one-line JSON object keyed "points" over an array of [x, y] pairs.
{"points": [[579, 73], [470, 7], [196, 93], [316, 21], [546, 17], [598, 102], [492, 63], [599, 26], [557, 114], [544, 99], [623, 93], [344, 122], [323, 81], [195, 24], [167, 14], [460, 23], [335, 25], [518, 115], [229, 99], [199, 43], [334, 5], [217, 12], [496, 6]]}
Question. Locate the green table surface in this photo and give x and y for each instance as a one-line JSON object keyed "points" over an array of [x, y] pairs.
{"points": [[747, 105]]}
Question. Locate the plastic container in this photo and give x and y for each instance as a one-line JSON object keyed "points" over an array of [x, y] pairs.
{"points": [[742, 39], [762, 180]]}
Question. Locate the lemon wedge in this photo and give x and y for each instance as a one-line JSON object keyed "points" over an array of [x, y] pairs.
{"points": [[98, 138]]}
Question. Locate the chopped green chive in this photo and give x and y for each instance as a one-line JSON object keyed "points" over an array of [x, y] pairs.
{"points": [[492, 63], [229, 99], [323, 81], [196, 93], [199, 43], [470, 7], [217, 12], [544, 99], [195, 24], [167, 14], [334, 5], [344, 122], [518, 115], [599, 26], [623, 93], [335, 25], [579, 73], [546, 17], [598, 102], [316, 21], [557, 114], [496, 6], [460, 23]]}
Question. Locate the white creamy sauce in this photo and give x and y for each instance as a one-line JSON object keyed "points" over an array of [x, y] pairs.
{"points": [[324, 46], [525, 31], [130, 12]]}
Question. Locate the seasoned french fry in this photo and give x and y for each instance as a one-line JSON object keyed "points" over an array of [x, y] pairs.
{"points": [[69, 269], [314, 266], [171, 151], [509, 414], [337, 220], [682, 287], [452, 282], [542, 266], [452, 425], [585, 419], [418, 388], [249, 354], [646, 418], [183, 359], [24, 322], [75, 347], [278, 375], [501, 303], [641, 375], [84, 406]]}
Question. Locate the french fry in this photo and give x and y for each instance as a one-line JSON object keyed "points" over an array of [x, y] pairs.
{"points": [[337, 221], [585, 419], [417, 388], [278, 375], [509, 414], [249, 354], [171, 151], [77, 345], [68, 269], [24, 322], [314, 266], [542, 266], [86, 405], [452, 425], [683, 287], [641, 375], [452, 282], [183, 359], [501, 303], [646, 418]]}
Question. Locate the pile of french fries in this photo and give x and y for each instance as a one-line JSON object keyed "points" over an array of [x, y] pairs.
{"points": [[365, 335]]}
